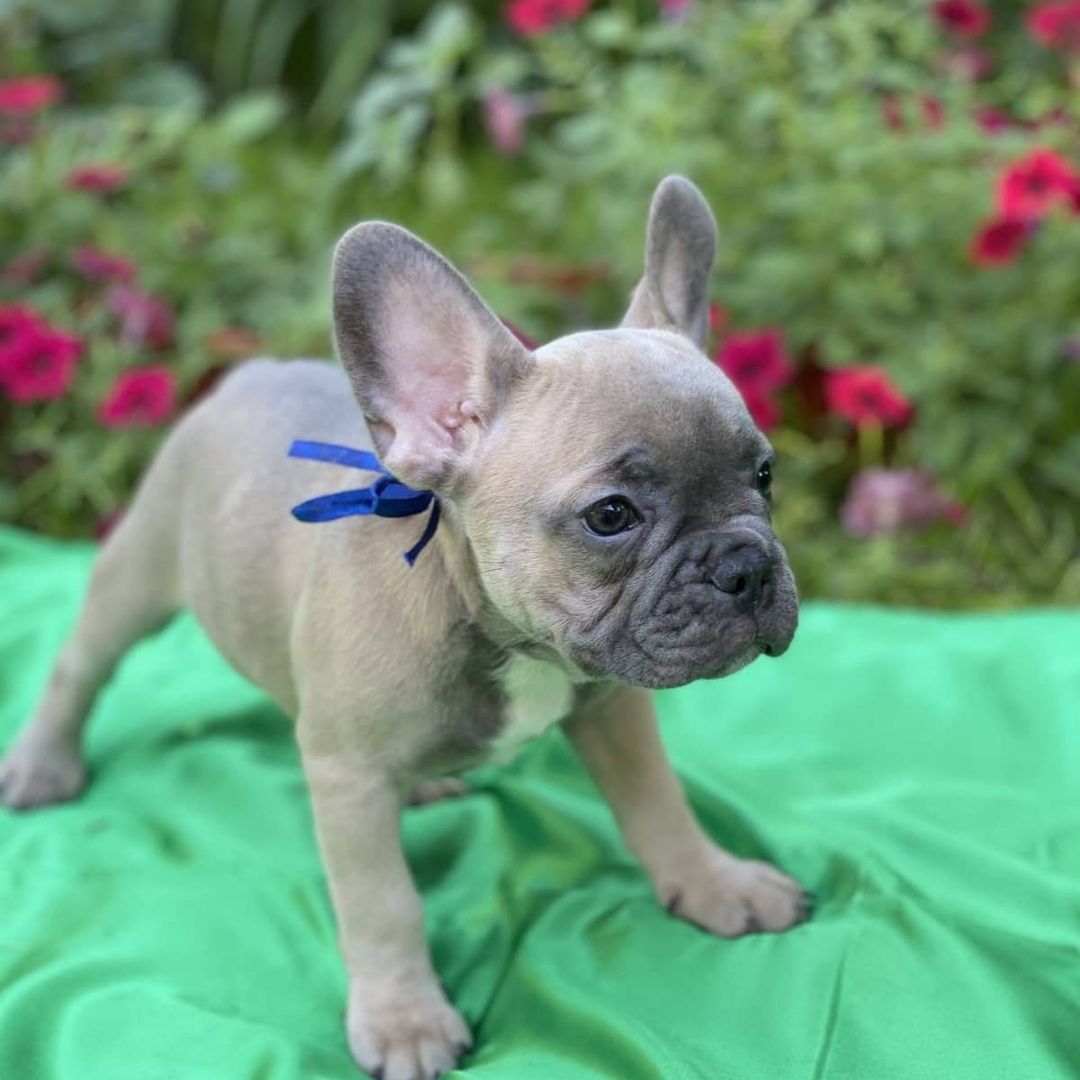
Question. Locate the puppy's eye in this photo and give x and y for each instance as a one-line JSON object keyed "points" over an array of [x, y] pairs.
{"points": [[610, 516], [764, 478]]}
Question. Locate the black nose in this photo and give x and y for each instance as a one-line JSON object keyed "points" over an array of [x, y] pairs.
{"points": [[745, 574]]}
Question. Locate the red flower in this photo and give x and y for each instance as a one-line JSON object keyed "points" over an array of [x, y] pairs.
{"points": [[15, 321], [964, 18], [718, 318], [1028, 188], [140, 398], [757, 362], [532, 17], [103, 178], [528, 342], [105, 525], [1056, 25], [145, 319], [999, 240], [1074, 197], [97, 265], [39, 364], [864, 394], [762, 408], [31, 94]]}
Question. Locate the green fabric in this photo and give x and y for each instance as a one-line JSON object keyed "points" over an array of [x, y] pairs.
{"points": [[920, 773]]}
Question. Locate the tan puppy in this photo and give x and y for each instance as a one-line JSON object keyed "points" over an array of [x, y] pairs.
{"points": [[605, 528]]}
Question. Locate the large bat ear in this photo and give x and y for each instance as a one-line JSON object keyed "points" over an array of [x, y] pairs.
{"points": [[680, 243], [429, 362]]}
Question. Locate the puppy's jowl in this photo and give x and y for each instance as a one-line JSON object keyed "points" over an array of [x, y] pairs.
{"points": [[603, 529]]}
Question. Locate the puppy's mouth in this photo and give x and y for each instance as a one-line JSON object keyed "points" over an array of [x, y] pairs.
{"points": [[667, 672], [665, 650]]}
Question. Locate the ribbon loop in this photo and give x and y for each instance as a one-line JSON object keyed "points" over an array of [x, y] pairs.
{"points": [[386, 497]]}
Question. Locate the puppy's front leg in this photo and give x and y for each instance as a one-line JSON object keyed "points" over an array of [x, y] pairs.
{"points": [[617, 737], [400, 1025]]}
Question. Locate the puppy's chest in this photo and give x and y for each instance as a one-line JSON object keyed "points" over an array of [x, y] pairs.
{"points": [[536, 695]]}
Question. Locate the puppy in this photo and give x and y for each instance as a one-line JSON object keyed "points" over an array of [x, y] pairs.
{"points": [[604, 530]]}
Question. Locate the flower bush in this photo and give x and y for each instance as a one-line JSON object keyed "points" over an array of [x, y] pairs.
{"points": [[897, 188]]}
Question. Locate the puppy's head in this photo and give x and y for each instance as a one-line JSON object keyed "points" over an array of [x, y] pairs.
{"points": [[613, 487]]}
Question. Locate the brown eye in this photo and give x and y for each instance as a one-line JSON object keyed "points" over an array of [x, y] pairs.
{"points": [[610, 516], [764, 478]]}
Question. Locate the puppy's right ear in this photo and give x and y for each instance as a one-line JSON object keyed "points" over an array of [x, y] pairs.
{"points": [[430, 364]]}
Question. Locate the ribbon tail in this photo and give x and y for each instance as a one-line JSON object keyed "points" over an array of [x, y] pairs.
{"points": [[425, 537]]}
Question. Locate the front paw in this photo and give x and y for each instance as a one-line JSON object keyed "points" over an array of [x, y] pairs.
{"points": [[729, 896], [38, 774], [404, 1033]]}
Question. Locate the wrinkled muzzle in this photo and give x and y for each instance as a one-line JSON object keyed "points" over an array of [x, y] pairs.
{"points": [[713, 602]]}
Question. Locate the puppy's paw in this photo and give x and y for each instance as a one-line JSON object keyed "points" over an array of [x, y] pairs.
{"points": [[35, 774], [441, 787], [408, 1034], [731, 897]]}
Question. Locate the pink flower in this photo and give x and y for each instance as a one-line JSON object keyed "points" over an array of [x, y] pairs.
{"points": [[892, 112], [970, 64], [1029, 187], [532, 17], [1056, 25], [145, 319], [28, 95], [99, 179], [1000, 240], [504, 119], [964, 18], [26, 267], [143, 397], [95, 264], [864, 394], [675, 10], [895, 118], [933, 111], [992, 120], [885, 500], [39, 364], [756, 362]]}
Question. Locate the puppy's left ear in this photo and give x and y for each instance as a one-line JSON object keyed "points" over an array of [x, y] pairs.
{"points": [[680, 243]]}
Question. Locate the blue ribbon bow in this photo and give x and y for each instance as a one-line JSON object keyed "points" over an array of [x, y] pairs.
{"points": [[387, 497]]}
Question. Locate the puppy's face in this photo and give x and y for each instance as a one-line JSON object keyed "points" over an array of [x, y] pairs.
{"points": [[619, 513], [612, 485]]}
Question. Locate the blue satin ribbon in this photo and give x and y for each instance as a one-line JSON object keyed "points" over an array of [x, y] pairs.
{"points": [[387, 497]]}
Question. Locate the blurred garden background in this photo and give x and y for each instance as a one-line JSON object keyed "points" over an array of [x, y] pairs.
{"points": [[897, 187]]}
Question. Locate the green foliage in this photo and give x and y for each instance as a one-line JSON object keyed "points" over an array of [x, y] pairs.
{"points": [[851, 235]]}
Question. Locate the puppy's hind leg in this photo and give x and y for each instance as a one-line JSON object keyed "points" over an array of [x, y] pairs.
{"points": [[132, 592]]}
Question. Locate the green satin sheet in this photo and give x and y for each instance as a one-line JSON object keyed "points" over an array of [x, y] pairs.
{"points": [[920, 773]]}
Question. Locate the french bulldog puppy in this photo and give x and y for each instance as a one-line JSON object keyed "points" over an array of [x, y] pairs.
{"points": [[605, 530]]}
